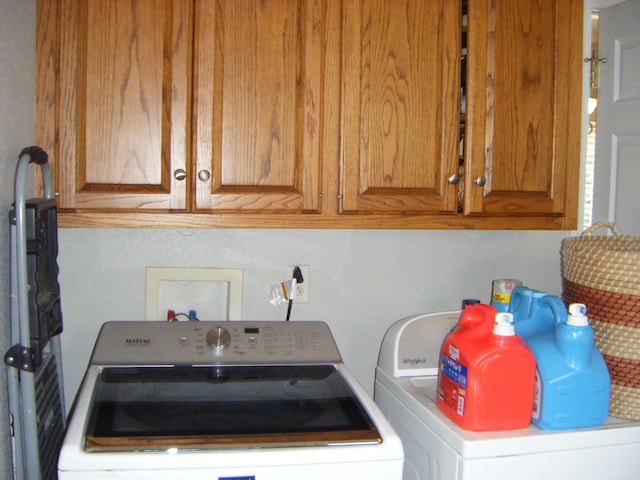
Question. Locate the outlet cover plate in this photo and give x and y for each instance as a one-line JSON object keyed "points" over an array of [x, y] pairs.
{"points": [[302, 289]]}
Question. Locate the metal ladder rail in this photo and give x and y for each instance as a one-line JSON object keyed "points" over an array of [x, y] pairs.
{"points": [[22, 396], [13, 373]]}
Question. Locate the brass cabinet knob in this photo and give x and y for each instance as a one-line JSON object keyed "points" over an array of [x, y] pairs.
{"points": [[481, 181]]}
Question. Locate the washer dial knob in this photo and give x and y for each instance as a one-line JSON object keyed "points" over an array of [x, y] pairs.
{"points": [[218, 338]]}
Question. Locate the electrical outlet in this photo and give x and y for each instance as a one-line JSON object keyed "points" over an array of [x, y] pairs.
{"points": [[302, 289]]}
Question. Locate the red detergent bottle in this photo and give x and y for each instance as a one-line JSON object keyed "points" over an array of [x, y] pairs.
{"points": [[486, 375]]}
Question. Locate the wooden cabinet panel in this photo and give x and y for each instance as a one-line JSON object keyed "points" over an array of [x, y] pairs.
{"points": [[401, 64], [311, 113], [122, 108], [258, 69], [523, 101]]}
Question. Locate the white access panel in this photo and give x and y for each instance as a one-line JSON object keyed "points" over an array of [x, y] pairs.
{"points": [[215, 293]]}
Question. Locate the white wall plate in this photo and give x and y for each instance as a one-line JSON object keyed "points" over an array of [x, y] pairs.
{"points": [[215, 293]]}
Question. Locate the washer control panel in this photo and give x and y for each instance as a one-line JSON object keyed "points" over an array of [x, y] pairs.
{"points": [[214, 343]]}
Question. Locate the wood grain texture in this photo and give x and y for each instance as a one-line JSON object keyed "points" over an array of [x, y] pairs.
{"points": [[523, 101], [120, 106], [310, 113], [258, 70], [401, 93]]}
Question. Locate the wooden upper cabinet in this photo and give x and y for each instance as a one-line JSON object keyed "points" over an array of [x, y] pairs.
{"points": [[401, 91], [524, 92], [311, 113], [258, 97], [120, 101]]}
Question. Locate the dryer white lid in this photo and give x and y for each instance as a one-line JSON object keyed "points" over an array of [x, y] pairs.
{"points": [[411, 346]]}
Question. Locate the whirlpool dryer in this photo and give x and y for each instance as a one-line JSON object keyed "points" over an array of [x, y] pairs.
{"points": [[228, 400], [437, 449]]}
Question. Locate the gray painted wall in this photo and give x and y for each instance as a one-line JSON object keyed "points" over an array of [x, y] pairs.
{"points": [[361, 281], [17, 119]]}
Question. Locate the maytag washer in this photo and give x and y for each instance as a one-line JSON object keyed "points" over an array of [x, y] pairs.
{"points": [[228, 400], [436, 448]]}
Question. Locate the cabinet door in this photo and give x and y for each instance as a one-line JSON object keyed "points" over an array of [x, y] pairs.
{"points": [[258, 72], [121, 107], [401, 90], [523, 108]]}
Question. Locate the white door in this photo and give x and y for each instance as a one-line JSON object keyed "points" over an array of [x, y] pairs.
{"points": [[617, 161]]}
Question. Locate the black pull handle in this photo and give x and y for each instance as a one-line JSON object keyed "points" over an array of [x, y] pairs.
{"points": [[37, 154]]}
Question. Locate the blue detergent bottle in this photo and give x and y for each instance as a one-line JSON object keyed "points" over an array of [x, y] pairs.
{"points": [[531, 317], [572, 379]]}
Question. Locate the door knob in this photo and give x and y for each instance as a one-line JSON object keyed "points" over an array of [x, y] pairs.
{"points": [[204, 175], [180, 174]]}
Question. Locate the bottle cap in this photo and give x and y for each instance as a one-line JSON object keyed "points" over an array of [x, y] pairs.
{"points": [[577, 315], [504, 325], [469, 301]]}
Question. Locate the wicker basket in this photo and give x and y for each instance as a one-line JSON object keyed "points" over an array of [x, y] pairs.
{"points": [[603, 272]]}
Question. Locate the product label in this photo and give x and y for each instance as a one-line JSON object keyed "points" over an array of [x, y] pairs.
{"points": [[502, 297], [454, 352], [537, 397], [453, 383]]}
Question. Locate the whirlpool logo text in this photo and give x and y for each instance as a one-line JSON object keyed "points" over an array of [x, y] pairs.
{"points": [[414, 361]]}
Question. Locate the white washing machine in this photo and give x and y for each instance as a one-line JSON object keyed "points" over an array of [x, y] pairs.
{"points": [[436, 448], [224, 401]]}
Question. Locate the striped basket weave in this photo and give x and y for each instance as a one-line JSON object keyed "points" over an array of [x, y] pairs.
{"points": [[603, 272]]}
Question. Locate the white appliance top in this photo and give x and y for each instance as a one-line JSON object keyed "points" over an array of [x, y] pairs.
{"points": [[214, 343], [408, 370], [218, 399], [411, 346]]}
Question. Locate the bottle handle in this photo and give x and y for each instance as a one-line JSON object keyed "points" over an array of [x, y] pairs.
{"points": [[479, 318], [557, 307], [517, 297]]}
